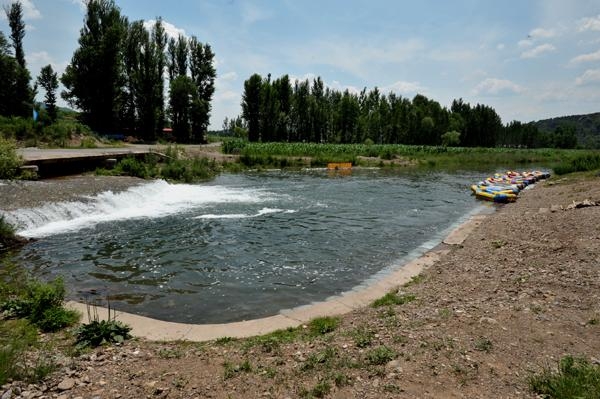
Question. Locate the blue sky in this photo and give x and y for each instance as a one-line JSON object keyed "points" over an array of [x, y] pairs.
{"points": [[529, 59]]}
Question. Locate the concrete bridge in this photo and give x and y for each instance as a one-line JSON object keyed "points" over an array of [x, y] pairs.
{"points": [[66, 161]]}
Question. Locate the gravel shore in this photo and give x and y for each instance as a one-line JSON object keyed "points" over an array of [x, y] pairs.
{"points": [[31, 194]]}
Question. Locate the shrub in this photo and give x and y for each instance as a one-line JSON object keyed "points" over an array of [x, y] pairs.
{"points": [[132, 167], [42, 304], [233, 146], [575, 378], [582, 163], [9, 159]]}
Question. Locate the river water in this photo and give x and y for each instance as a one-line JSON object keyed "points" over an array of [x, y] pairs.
{"points": [[244, 245]]}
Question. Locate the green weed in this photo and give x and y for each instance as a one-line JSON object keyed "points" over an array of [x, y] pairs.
{"points": [[393, 298], [575, 378], [323, 325], [362, 336], [380, 355]]}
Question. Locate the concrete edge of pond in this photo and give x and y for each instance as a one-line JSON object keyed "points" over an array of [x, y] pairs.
{"points": [[158, 330]]}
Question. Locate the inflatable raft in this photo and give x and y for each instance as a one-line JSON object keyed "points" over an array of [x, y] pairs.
{"points": [[503, 188]]}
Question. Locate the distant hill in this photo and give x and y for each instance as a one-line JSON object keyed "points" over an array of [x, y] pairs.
{"points": [[587, 127]]}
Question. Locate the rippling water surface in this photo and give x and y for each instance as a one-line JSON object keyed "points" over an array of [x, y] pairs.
{"points": [[244, 245]]}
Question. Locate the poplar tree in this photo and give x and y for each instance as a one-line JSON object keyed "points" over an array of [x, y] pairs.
{"points": [[94, 79], [48, 79], [22, 102]]}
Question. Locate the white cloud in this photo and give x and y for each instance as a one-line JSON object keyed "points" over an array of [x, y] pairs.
{"points": [[493, 86], [228, 77], [227, 96], [589, 76], [30, 11], [403, 87], [538, 50], [586, 58], [500, 46], [360, 58], [542, 33], [171, 30], [525, 43], [587, 24]]}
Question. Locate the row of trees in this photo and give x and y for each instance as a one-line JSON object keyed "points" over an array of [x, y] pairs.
{"points": [[117, 76], [279, 110]]}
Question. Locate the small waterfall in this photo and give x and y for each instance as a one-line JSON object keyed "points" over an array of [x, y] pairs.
{"points": [[152, 200]]}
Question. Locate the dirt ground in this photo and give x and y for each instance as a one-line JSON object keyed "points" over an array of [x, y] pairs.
{"points": [[520, 293]]}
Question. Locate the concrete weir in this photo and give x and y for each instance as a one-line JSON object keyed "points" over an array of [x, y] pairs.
{"points": [[152, 329]]}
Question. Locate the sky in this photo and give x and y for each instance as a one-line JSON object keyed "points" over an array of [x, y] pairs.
{"points": [[528, 59]]}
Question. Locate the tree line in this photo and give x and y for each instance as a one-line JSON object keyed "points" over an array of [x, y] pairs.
{"points": [[282, 110], [116, 76]]}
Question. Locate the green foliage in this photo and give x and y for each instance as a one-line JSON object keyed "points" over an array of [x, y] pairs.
{"points": [[380, 355], [189, 171], [323, 325], [7, 231], [583, 163], [575, 378], [451, 139], [17, 362], [9, 159], [392, 298], [42, 304], [98, 332], [233, 146], [321, 390]]}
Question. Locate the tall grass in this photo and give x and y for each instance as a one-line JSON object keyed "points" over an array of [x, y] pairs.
{"points": [[581, 163]]}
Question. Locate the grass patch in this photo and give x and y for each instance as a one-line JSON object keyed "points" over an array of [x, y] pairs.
{"points": [[393, 298], [271, 342], [323, 325], [380, 355], [414, 280], [230, 370], [225, 340], [483, 344], [575, 378], [324, 357], [362, 337]]}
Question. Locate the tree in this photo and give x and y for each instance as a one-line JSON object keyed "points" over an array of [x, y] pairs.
{"points": [[251, 105], [22, 101], [451, 139], [48, 79], [203, 76], [8, 77], [182, 91], [94, 79]]}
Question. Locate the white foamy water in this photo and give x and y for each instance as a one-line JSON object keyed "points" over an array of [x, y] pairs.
{"points": [[156, 199], [264, 211]]}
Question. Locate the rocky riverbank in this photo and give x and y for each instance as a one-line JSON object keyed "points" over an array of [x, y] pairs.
{"points": [[521, 292]]}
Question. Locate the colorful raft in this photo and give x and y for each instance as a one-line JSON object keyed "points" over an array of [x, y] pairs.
{"points": [[503, 188]]}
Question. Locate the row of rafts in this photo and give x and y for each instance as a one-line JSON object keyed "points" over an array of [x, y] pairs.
{"points": [[506, 187]]}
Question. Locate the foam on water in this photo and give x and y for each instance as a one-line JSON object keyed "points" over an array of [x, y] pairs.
{"points": [[264, 211], [152, 200]]}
